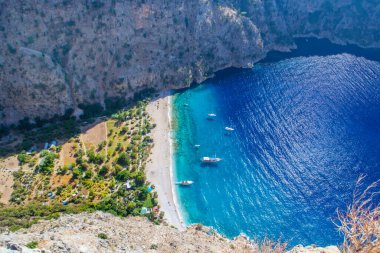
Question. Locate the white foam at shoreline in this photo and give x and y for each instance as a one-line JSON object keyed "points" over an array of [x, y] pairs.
{"points": [[171, 166]]}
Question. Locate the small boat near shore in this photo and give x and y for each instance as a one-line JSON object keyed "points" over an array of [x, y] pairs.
{"points": [[230, 129], [197, 146], [185, 183], [211, 160], [211, 116]]}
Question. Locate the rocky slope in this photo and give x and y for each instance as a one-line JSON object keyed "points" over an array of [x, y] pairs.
{"points": [[59, 54], [82, 233]]}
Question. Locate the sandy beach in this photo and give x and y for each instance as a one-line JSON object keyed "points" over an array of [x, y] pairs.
{"points": [[159, 170]]}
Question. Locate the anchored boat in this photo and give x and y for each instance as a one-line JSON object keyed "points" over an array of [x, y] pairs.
{"points": [[211, 116], [207, 159], [185, 182], [230, 129]]}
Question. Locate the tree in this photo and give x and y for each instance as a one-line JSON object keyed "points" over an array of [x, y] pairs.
{"points": [[76, 173], [23, 158], [140, 178], [123, 159], [104, 170], [89, 174], [123, 175], [47, 164]]}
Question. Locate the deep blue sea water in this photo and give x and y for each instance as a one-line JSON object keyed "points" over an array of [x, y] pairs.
{"points": [[305, 129]]}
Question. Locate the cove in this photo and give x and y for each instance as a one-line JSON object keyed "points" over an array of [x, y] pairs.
{"points": [[307, 124]]}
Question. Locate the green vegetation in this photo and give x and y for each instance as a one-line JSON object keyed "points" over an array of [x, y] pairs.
{"points": [[24, 158], [25, 216], [11, 49], [103, 236], [107, 175], [46, 165], [32, 245]]}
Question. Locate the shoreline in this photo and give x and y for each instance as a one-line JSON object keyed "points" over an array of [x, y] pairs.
{"points": [[159, 170]]}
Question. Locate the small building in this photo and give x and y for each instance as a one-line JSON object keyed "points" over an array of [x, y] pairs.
{"points": [[31, 150], [53, 144]]}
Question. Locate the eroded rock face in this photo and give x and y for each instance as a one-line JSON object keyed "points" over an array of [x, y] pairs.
{"points": [[56, 55], [81, 233], [314, 249]]}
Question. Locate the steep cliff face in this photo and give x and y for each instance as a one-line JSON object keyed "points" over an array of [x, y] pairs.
{"points": [[57, 55]]}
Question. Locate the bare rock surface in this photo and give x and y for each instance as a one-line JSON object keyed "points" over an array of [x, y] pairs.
{"points": [[57, 55], [314, 249], [82, 233]]}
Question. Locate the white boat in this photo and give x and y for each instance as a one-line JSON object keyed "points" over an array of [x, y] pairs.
{"points": [[211, 115], [197, 146], [207, 159], [185, 182], [229, 129]]}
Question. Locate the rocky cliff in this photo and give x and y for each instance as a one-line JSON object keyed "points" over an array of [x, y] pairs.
{"points": [[58, 55], [101, 232]]}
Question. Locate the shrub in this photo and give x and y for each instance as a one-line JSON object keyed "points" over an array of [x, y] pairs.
{"points": [[11, 49], [123, 175], [47, 164], [95, 158], [139, 177], [76, 173], [70, 23], [104, 170], [360, 224], [123, 159], [32, 245], [89, 174], [63, 170], [103, 236], [23, 158], [102, 145]]}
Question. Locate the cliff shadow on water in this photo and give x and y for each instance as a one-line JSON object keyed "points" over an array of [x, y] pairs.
{"points": [[321, 47], [305, 47]]}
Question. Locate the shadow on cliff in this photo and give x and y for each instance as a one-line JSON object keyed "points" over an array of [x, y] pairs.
{"points": [[27, 137]]}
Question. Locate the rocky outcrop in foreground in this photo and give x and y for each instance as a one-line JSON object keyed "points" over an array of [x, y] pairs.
{"points": [[57, 56], [102, 232]]}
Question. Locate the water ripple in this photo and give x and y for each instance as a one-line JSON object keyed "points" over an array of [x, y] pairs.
{"points": [[305, 129]]}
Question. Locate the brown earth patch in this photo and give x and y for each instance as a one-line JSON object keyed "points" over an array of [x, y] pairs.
{"points": [[92, 137], [7, 167], [66, 156], [59, 180]]}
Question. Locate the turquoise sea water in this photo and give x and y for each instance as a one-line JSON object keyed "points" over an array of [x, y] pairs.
{"points": [[305, 129]]}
